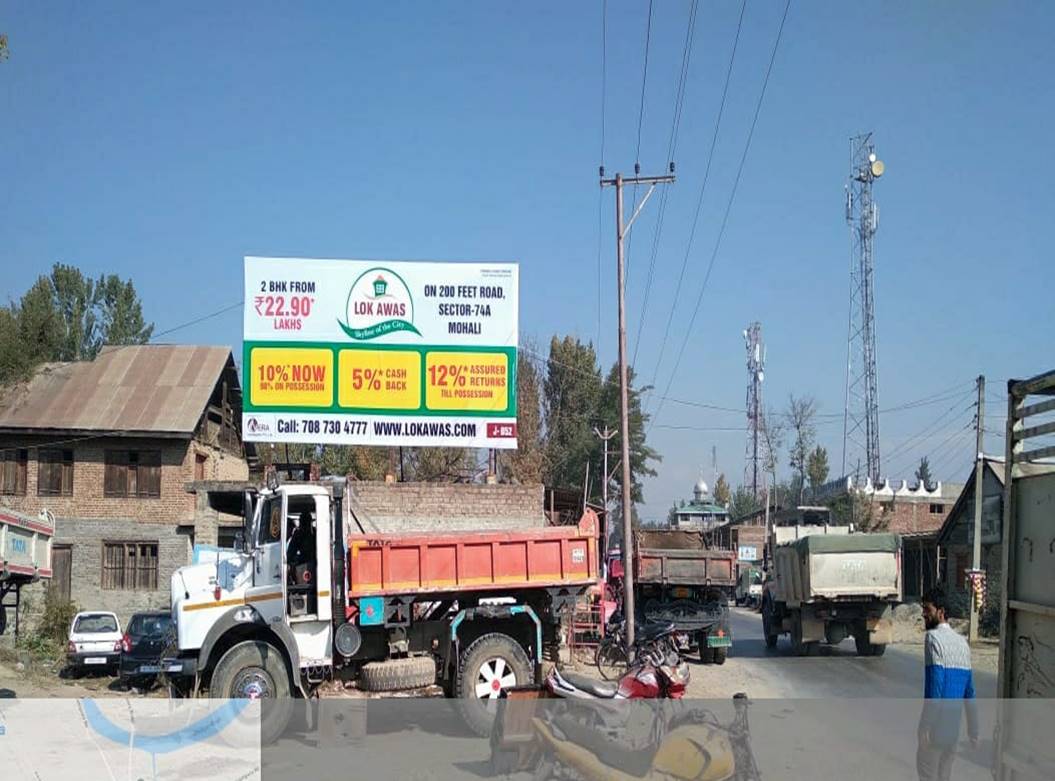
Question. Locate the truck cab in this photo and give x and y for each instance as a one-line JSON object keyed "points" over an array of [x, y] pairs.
{"points": [[274, 590]]}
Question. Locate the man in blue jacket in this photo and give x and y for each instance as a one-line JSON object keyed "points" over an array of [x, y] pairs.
{"points": [[948, 688]]}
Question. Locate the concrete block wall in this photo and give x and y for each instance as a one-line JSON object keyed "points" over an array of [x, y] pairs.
{"points": [[86, 537], [438, 507]]}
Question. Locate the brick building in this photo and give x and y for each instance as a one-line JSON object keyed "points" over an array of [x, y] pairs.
{"points": [[108, 447], [916, 513]]}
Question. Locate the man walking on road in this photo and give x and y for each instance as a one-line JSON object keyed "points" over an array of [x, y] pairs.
{"points": [[948, 687]]}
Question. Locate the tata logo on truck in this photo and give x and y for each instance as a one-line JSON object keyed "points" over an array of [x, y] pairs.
{"points": [[379, 303]]}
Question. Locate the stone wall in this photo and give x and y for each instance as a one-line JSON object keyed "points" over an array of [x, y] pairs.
{"points": [[437, 507], [86, 536]]}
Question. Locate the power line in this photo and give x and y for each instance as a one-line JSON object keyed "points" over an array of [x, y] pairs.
{"points": [[729, 205], [197, 320], [675, 126], [699, 200], [914, 441]]}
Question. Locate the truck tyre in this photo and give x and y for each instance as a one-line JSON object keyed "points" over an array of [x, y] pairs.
{"points": [[395, 674], [256, 670], [718, 655], [866, 647], [801, 647], [767, 625], [491, 665]]}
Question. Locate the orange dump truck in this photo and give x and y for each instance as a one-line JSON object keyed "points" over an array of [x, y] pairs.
{"points": [[471, 611]]}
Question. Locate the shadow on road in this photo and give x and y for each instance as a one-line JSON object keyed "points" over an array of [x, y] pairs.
{"points": [[7, 694]]}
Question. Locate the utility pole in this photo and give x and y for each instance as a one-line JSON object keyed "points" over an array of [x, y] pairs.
{"points": [[607, 435], [979, 469], [621, 231]]}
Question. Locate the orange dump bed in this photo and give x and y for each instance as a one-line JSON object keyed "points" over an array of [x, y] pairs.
{"points": [[390, 564]]}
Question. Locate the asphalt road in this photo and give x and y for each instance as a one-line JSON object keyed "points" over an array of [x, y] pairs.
{"points": [[836, 672]]}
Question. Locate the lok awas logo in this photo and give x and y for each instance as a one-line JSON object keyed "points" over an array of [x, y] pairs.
{"points": [[379, 303]]}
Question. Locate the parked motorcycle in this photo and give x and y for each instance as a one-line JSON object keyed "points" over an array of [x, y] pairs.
{"points": [[692, 745], [612, 658]]}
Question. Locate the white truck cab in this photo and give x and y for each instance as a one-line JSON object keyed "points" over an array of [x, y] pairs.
{"points": [[271, 600]]}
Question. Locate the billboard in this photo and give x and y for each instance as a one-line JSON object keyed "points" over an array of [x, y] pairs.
{"points": [[391, 353]]}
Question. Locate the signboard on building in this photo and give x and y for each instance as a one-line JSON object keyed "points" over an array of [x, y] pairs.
{"points": [[352, 352], [748, 553]]}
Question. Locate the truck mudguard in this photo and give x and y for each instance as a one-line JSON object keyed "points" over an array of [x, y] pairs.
{"points": [[247, 614]]}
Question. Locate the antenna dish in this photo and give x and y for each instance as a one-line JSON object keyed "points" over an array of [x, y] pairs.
{"points": [[877, 168], [761, 376]]}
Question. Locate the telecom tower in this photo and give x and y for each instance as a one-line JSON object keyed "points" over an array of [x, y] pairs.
{"points": [[861, 412], [755, 458]]}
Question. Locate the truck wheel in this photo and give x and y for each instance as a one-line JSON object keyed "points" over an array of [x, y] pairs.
{"points": [[257, 671], [767, 625], [395, 674], [719, 655], [490, 666], [801, 647], [866, 647]]}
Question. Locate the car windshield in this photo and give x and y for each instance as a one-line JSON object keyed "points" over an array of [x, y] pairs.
{"points": [[756, 577], [149, 626], [97, 623]]}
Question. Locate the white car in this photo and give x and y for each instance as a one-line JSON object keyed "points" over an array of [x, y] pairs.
{"points": [[94, 643]]}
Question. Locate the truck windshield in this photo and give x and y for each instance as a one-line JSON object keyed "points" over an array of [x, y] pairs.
{"points": [[756, 577]]}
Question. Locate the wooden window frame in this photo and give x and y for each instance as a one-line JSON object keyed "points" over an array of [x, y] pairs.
{"points": [[49, 457], [114, 576], [15, 459], [127, 474]]}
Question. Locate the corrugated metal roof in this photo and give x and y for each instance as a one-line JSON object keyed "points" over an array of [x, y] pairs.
{"points": [[159, 389]]}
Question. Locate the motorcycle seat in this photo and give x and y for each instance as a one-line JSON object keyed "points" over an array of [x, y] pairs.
{"points": [[656, 629], [609, 749], [604, 689]]}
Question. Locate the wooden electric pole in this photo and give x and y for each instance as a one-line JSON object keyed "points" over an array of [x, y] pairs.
{"points": [[621, 231], [979, 476]]}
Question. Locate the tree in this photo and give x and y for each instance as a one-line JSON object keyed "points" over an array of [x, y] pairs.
{"points": [[923, 476], [743, 502], [527, 463], [672, 514], [609, 412], [65, 316], [817, 467], [76, 299], [440, 464], [800, 417], [121, 312], [570, 394], [722, 494]]}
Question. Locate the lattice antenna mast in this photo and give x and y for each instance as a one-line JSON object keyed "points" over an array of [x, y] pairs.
{"points": [[861, 411], [755, 456]]}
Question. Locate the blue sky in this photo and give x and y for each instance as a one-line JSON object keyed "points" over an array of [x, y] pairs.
{"points": [[165, 144]]}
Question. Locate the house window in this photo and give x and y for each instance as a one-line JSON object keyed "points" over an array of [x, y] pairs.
{"points": [[199, 466], [937, 509], [55, 473], [130, 566], [13, 462], [132, 473]]}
